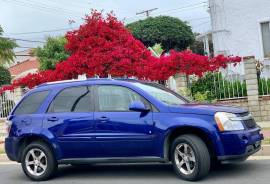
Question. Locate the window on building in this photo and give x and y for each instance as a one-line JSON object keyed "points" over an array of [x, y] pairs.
{"points": [[73, 99], [265, 28]]}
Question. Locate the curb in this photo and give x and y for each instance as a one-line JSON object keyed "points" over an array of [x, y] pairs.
{"points": [[5, 161], [265, 151], [259, 158]]}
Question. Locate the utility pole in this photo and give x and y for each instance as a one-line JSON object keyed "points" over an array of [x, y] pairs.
{"points": [[147, 12]]}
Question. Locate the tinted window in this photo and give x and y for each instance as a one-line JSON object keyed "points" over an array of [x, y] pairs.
{"points": [[31, 103], [74, 99], [117, 98], [162, 94]]}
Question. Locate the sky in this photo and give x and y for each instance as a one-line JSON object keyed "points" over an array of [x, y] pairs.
{"points": [[32, 21]]}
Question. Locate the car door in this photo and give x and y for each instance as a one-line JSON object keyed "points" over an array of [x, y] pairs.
{"points": [[119, 131], [70, 118]]}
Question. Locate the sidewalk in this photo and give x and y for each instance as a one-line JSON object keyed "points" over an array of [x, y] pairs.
{"points": [[264, 124], [266, 133]]}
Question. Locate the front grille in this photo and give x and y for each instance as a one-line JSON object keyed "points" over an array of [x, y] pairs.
{"points": [[250, 123]]}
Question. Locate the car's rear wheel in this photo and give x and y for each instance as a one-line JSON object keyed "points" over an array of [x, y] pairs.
{"points": [[190, 157], [38, 162]]}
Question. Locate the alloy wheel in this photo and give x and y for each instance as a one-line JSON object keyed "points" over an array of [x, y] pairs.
{"points": [[185, 158], [36, 162]]}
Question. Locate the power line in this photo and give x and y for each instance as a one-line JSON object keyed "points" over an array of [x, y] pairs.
{"points": [[192, 6], [25, 47], [46, 5], [196, 26], [40, 7], [25, 40], [66, 29], [73, 3], [37, 32], [202, 18], [183, 8], [147, 12]]}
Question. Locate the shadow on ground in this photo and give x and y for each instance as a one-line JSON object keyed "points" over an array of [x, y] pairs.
{"points": [[149, 171], [248, 172]]}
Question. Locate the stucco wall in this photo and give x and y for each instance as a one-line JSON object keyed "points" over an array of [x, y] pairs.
{"points": [[236, 27]]}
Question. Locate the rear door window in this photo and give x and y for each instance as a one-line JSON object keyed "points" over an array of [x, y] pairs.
{"points": [[31, 103], [73, 99]]}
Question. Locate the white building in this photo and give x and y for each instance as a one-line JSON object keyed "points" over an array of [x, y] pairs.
{"points": [[240, 28]]}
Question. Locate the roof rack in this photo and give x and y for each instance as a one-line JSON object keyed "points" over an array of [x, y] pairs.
{"points": [[84, 78], [60, 82]]}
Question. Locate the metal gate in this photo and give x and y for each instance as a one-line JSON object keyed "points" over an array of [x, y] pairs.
{"points": [[7, 102]]}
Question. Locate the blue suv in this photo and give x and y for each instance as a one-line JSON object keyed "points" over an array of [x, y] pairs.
{"points": [[110, 120]]}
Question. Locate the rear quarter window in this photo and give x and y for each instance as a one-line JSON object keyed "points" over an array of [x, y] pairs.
{"points": [[31, 103]]}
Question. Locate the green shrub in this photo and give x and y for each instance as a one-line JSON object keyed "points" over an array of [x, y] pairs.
{"points": [[264, 86], [213, 86], [5, 77]]}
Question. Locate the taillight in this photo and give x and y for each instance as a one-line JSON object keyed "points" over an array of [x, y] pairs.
{"points": [[8, 126]]}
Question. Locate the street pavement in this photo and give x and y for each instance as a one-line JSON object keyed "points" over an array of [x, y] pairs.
{"points": [[249, 172]]}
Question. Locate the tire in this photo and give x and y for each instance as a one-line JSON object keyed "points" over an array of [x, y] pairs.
{"points": [[197, 158], [35, 168]]}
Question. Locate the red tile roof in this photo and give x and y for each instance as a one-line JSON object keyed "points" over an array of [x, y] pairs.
{"points": [[31, 63]]}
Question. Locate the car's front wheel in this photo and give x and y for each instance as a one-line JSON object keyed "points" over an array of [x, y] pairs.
{"points": [[190, 157], [38, 162]]}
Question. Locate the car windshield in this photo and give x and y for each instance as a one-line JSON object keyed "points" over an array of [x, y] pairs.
{"points": [[162, 94]]}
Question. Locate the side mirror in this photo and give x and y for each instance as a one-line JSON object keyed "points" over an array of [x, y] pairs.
{"points": [[138, 106]]}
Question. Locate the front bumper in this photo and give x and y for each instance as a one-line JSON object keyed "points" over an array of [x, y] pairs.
{"points": [[239, 145], [250, 150]]}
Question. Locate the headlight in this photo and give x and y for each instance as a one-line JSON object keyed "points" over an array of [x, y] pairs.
{"points": [[228, 122]]}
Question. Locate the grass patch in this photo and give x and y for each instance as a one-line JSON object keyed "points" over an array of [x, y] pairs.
{"points": [[2, 149]]}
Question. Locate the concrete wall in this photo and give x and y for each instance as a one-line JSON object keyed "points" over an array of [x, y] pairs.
{"points": [[235, 102], [264, 106], [236, 26]]}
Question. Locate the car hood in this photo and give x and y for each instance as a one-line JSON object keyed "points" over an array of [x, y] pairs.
{"points": [[205, 109]]}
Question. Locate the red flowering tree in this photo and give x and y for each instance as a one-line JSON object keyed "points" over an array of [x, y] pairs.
{"points": [[103, 46]]}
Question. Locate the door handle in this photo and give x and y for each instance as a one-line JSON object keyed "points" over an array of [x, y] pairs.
{"points": [[53, 119], [25, 122], [103, 119]]}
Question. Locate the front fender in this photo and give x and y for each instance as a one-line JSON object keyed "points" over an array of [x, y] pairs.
{"points": [[203, 123]]}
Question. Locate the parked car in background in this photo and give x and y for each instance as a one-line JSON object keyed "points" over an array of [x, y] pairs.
{"points": [[109, 120]]}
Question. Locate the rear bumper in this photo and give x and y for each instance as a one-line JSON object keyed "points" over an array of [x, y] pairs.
{"points": [[11, 148]]}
